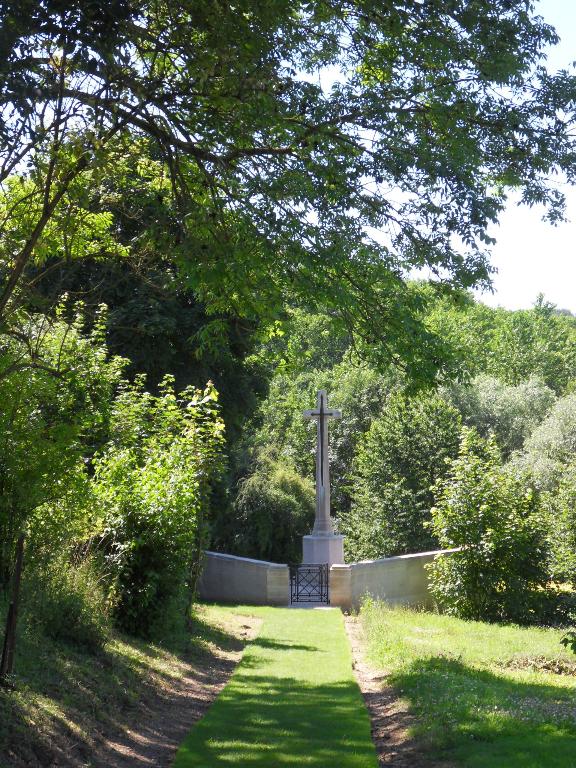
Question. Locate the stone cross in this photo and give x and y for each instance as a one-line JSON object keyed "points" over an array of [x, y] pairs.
{"points": [[323, 525]]}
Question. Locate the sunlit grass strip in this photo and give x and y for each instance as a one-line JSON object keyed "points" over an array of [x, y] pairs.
{"points": [[292, 701], [476, 689]]}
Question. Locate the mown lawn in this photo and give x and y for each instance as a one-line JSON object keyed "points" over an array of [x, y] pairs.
{"points": [[292, 701], [483, 694]]}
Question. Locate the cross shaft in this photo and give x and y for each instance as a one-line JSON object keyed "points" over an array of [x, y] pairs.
{"points": [[323, 522]]}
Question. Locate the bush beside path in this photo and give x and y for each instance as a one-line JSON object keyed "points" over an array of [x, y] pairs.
{"points": [[293, 700]]}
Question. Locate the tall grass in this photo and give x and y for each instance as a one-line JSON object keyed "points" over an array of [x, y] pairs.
{"points": [[67, 602]]}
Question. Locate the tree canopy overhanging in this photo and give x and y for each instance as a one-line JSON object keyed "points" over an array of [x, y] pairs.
{"points": [[317, 152]]}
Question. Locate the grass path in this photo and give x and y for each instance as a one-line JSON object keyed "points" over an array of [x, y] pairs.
{"points": [[292, 701]]}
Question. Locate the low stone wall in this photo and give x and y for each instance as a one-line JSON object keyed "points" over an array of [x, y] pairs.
{"points": [[231, 579], [401, 580]]}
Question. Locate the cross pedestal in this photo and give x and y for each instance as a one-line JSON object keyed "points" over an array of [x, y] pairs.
{"points": [[323, 549], [323, 545]]}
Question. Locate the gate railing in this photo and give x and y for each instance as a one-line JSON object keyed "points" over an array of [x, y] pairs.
{"points": [[309, 583]]}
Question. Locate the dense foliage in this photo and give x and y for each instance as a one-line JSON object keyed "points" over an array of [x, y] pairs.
{"points": [[513, 347], [153, 481], [495, 521], [56, 388], [280, 130], [400, 457], [154, 317], [69, 602], [510, 412], [274, 508], [247, 187], [551, 446], [111, 484], [560, 507]]}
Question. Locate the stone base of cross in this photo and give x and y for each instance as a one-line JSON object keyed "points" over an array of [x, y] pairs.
{"points": [[323, 545], [322, 548]]}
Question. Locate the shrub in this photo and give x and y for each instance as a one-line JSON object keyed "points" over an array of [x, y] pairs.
{"points": [[56, 388], [68, 603], [501, 569], [386, 522], [569, 641], [153, 480], [274, 509], [560, 506]]}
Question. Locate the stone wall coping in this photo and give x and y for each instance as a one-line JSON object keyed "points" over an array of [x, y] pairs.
{"points": [[264, 563], [396, 558]]}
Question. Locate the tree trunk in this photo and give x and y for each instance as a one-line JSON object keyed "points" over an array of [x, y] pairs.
{"points": [[7, 663]]}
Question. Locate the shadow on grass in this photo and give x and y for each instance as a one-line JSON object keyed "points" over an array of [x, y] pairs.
{"points": [[199, 632], [262, 642], [85, 694], [477, 718], [265, 721]]}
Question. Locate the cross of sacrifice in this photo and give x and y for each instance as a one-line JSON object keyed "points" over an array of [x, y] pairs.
{"points": [[323, 523]]}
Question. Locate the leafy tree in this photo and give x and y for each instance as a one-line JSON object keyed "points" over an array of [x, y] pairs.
{"points": [[510, 346], [509, 412], [278, 181], [500, 571], [535, 342], [551, 446], [154, 319], [560, 506], [403, 453], [274, 508], [153, 483], [56, 387], [303, 341]]}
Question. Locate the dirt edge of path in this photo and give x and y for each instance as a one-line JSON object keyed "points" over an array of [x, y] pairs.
{"points": [[165, 720], [389, 715]]}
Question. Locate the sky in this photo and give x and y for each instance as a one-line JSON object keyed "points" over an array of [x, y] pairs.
{"points": [[532, 256]]}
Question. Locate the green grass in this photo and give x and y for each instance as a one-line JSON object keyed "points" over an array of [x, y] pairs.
{"points": [[482, 693], [292, 701], [65, 696]]}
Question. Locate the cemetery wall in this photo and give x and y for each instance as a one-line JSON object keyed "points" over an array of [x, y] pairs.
{"points": [[231, 579], [401, 580]]}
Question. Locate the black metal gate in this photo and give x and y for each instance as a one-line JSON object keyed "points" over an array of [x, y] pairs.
{"points": [[309, 583]]}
